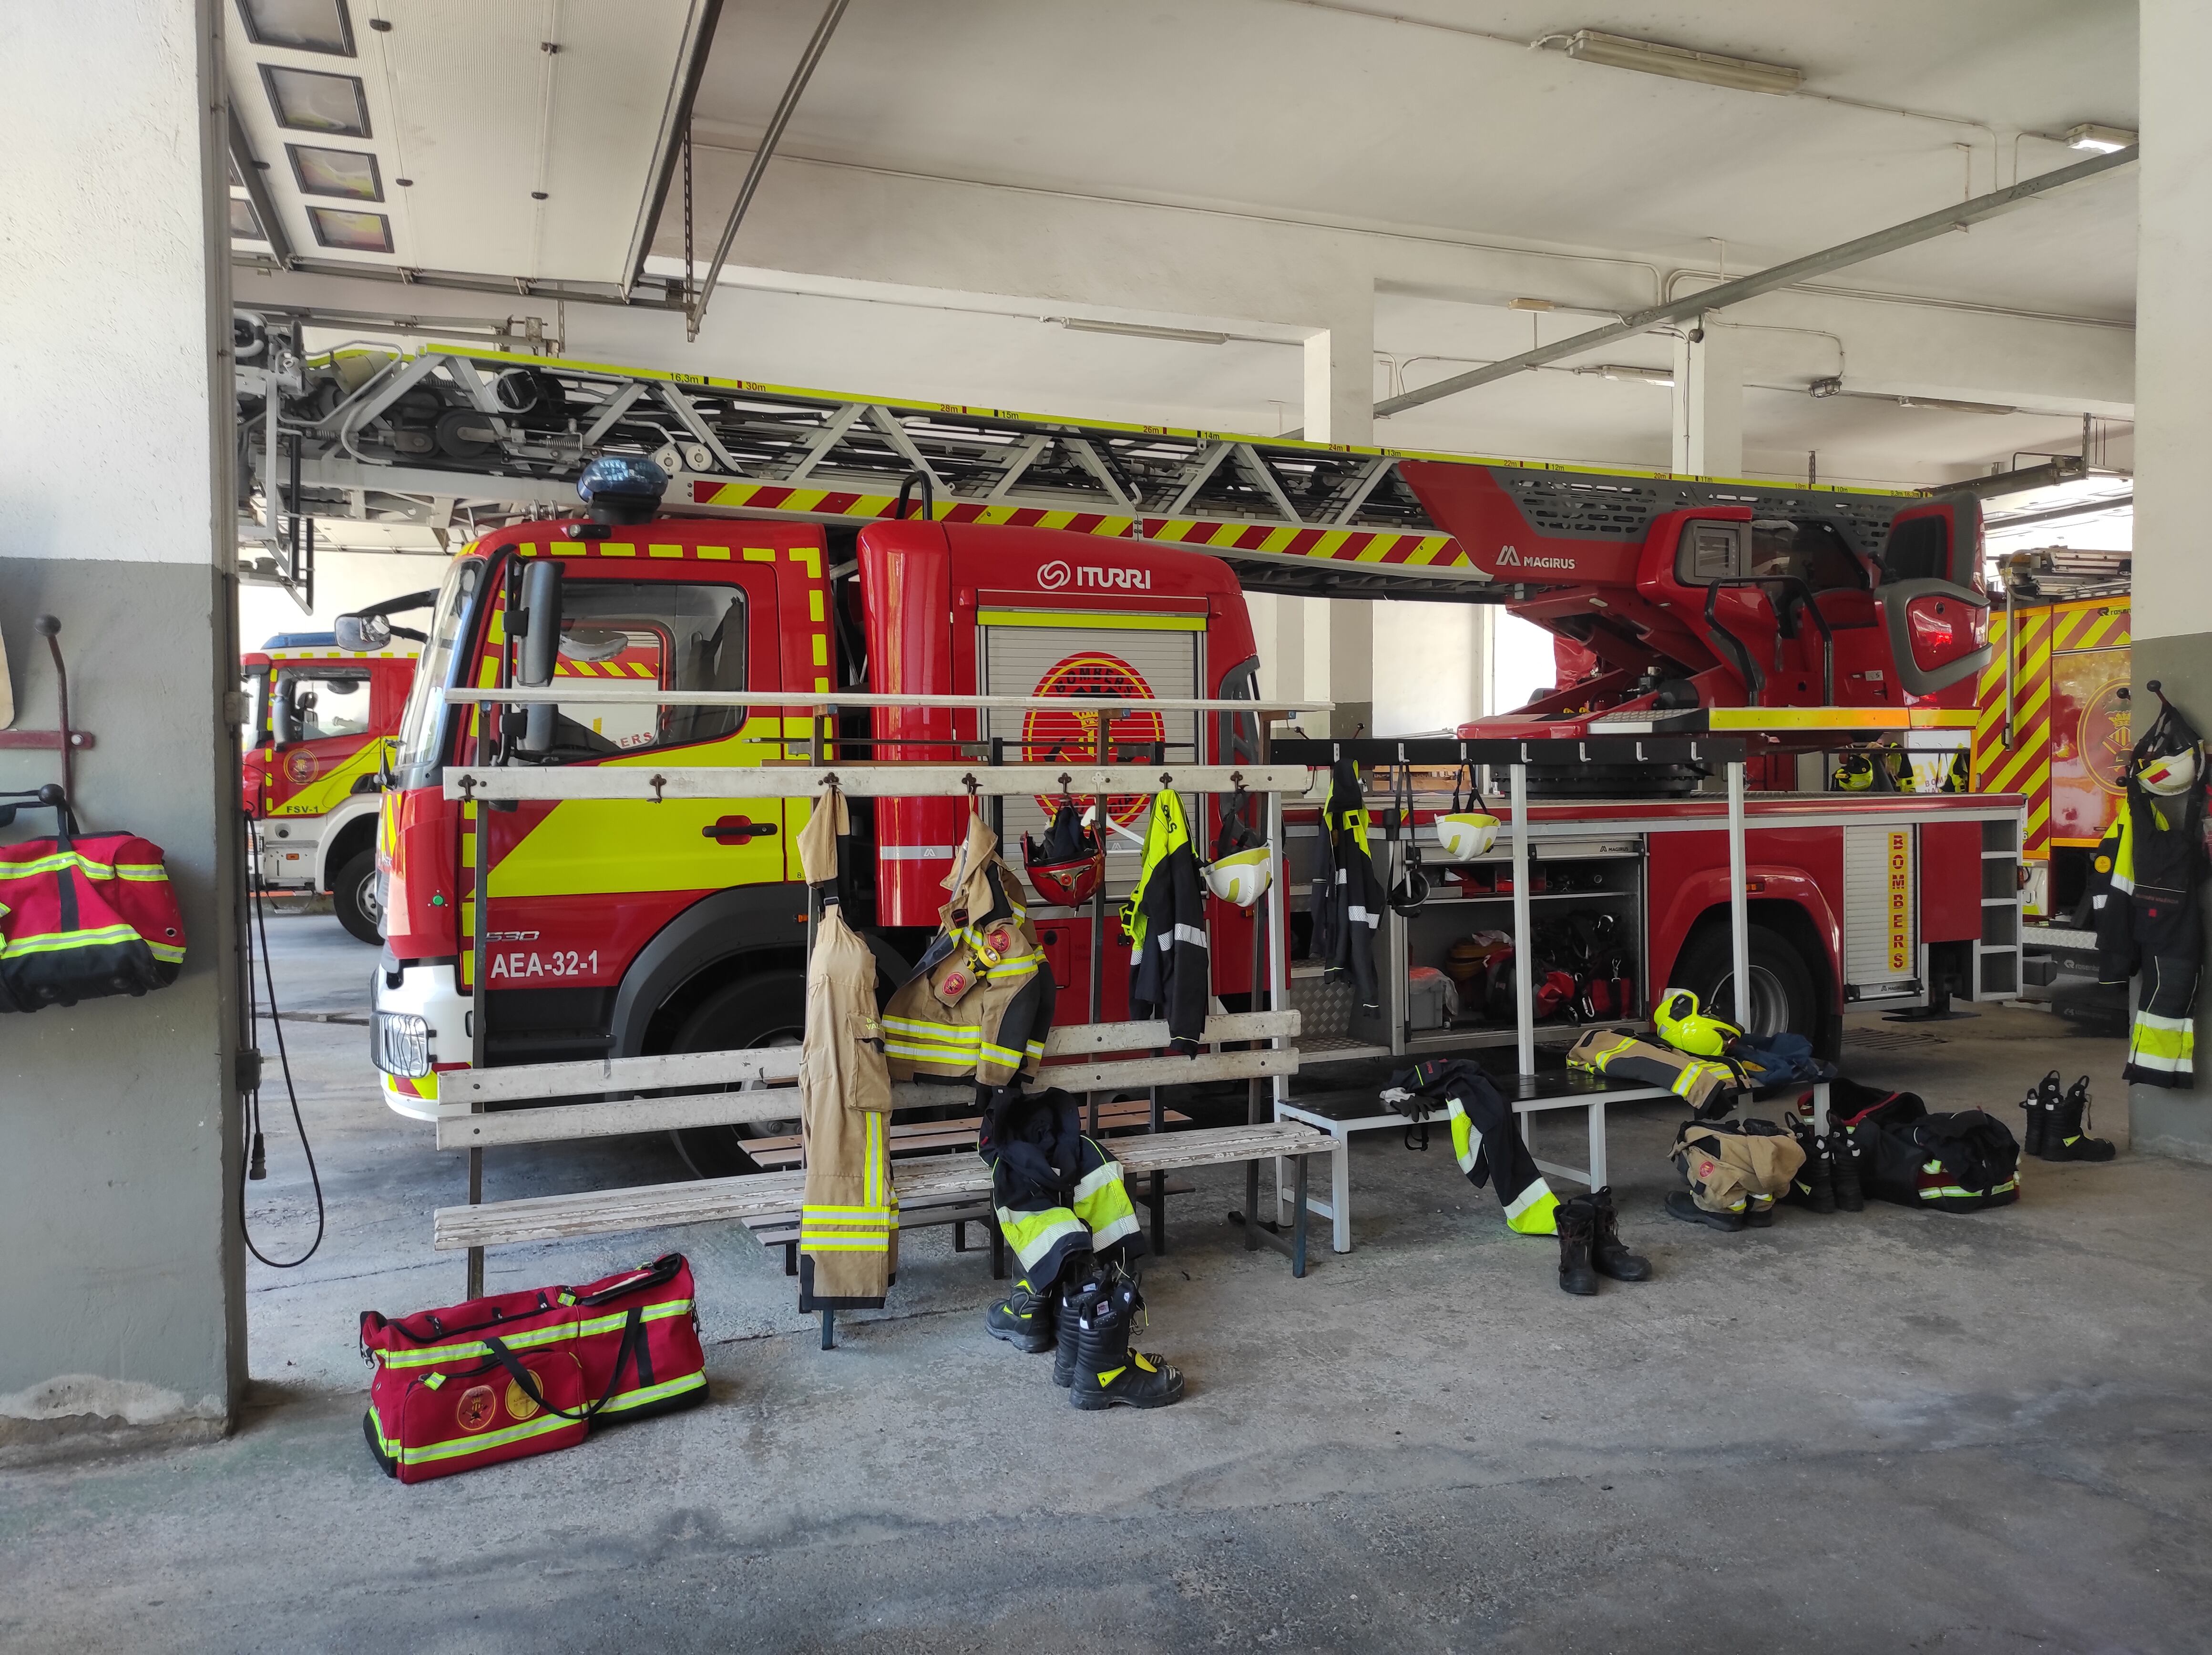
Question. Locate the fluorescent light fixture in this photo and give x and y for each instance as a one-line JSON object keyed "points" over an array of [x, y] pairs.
{"points": [[348, 173], [353, 233], [245, 222], [1529, 304], [2102, 139], [299, 25], [1946, 404], [309, 100], [1680, 63], [1141, 330], [1648, 376]]}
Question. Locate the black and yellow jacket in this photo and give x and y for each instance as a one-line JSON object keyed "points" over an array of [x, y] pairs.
{"points": [[1171, 966]]}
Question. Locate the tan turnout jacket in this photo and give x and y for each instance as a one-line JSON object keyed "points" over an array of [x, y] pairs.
{"points": [[848, 1225]]}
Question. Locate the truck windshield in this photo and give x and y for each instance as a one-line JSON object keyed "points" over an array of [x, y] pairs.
{"points": [[667, 634], [313, 702], [422, 726]]}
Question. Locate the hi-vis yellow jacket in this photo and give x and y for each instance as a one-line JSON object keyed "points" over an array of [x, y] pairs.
{"points": [[980, 1001]]}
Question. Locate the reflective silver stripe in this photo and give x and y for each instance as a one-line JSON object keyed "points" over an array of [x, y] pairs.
{"points": [[915, 852], [1190, 933]]}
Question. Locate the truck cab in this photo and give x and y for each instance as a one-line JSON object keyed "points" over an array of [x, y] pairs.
{"points": [[625, 929], [321, 719]]}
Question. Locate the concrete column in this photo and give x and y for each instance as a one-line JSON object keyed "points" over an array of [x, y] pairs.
{"points": [[119, 1184], [2173, 427], [1340, 407], [1429, 666], [1708, 403]]}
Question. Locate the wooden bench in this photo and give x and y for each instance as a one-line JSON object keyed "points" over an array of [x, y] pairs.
{"points": [[949, 1188], [775, 1154]]}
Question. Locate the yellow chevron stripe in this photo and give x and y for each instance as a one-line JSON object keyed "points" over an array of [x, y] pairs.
{"points": [[1277, 539]]}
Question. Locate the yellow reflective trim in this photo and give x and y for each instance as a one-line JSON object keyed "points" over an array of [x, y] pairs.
{"points": [[1091, 618], [77, 939], [645, 1393], [483, 1440]]}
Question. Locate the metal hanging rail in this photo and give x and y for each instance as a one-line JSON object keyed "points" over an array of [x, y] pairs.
{"points": [[466, 437]]}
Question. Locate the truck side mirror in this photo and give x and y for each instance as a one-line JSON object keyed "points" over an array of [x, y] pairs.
{"points": [[358, 634], [541, 648], [284, 716]]}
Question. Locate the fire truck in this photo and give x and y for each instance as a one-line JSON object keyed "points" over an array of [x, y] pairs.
{"points": [[1064, 556], [321, 719]]}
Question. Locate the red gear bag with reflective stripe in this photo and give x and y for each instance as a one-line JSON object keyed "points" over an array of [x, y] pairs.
{"points": [[85, 916], [519, 1374]]}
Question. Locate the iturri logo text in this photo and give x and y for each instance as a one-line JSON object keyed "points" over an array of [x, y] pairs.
{"points": [[1057, 574]]}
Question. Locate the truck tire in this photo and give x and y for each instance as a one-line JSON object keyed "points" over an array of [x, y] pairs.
{"points": [[766, 1008], [352, 896], [1782, 987]]}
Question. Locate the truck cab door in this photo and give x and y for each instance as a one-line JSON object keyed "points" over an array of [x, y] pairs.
{"points": [[579, 886], [1935, 612]]}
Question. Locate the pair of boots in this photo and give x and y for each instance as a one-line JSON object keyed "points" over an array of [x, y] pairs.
{"points": [[1590, 1244], [2058, 1125], [1086, 1325], [1828, 1182]]}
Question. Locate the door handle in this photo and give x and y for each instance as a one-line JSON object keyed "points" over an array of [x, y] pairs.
{"points": [[736, 827]]}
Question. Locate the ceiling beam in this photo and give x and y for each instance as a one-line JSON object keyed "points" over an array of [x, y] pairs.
{"points": [[1910, 233]]}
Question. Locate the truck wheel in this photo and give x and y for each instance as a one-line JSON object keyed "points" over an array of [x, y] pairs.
{"points": [[1782, 995], [766, 1010], [353, 894]]}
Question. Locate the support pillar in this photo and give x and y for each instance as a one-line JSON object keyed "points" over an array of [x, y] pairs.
{"points": [[1708, 402], [1339, 408], [2173, 626], [118, 1185]]}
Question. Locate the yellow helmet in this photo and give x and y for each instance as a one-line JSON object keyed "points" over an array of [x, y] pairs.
{"points": [[1683, 1026]]}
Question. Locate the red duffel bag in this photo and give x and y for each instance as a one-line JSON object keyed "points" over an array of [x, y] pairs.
{"points": [[83, 915], [526, 1373]]}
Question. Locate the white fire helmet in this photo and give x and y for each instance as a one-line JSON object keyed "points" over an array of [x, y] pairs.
{"points": [[1467, 833], [2169, 774], [1242, 876]]}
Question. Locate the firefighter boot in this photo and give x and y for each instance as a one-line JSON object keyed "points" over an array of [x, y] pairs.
{"points": [[1106, 1371], [2031, 1140], [1083, 1286], [2066, 1137], [1843, 1170], [1023, 1318], [2050, 1097], [1577, 1223], [1815, 1187], [1683, 1205], [1607, 1253]]}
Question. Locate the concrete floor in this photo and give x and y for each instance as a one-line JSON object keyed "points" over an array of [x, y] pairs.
{"points": [[1878, 1432]]}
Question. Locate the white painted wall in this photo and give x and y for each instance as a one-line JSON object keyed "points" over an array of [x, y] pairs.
{"points": [[2173, 364]]}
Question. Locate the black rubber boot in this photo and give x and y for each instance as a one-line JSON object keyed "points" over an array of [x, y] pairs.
{"points": [[2033, 1140], [1107, 1373], [1843, 1170], [1683, 1205], [1023, 1318], [2065, 1137], [1577, 1223], [1607, 1255], [1813, 1188]]}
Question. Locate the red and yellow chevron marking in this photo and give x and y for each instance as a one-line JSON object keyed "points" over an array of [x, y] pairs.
{"points": [[1339, 545], [2025, 766], [1342, 545], [2093, 623], [837, 502]]}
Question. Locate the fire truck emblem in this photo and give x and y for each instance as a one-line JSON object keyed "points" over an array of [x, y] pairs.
{"points": [[519, 1404], [2104, 737], [1072, 737], [300, 766], [476, 1408]]}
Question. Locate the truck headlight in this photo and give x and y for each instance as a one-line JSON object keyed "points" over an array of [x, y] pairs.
{"points": [[399, 1043]]}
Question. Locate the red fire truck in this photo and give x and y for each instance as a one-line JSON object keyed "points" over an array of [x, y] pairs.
{"points": [[625, 928], [320, 721]]}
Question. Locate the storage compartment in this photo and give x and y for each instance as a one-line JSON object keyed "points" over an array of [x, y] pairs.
{"points": [[1427, 991]]}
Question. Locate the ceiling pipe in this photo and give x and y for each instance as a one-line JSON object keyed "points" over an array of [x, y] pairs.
{"points": [[668, 149], [777, 123], [1910, 233], [2063, 470]]}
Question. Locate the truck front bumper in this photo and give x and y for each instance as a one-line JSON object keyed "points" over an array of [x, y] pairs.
{"points": [[418, 1028]]}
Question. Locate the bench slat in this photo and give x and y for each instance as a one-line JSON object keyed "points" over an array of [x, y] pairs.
{"points": [[580, 1120], [525, 1082], [603, 1212]]}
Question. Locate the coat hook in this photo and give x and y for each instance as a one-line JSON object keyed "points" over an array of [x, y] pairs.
{"points": [[658, 782]]}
